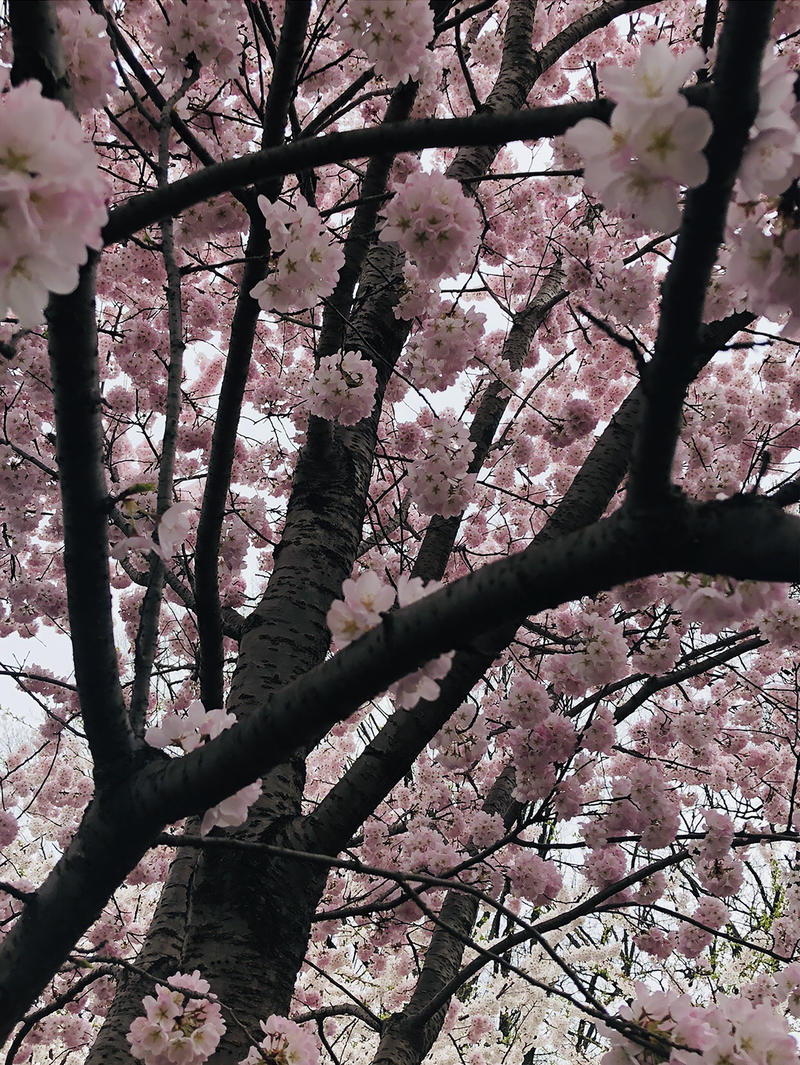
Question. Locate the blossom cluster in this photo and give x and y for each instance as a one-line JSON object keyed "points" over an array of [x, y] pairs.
{"points": [[191, 731], [731, 1029], [533, 878], [439, 482], [765, 249], [365, 599], [538, 738], [788, 987], [435, 224], [343, 388], [537, 750], [308, 264], [178, 1029], [443, 347], [88, 55], [772, 158], [52, 200], [284, 1043], [393, 34], [655, 140], [206, 29], [712, 914], [648, 805], [425, 847], [719, 603], [601, 659]]}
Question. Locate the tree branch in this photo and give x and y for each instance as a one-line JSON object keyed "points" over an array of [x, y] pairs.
{"points": [[734, 104], [411, 135], [237, 367], [147, 633], [743, 538], [84, 499]]}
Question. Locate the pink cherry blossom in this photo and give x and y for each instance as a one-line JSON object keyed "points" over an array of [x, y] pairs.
{"points": [[654, 142], [772, 158], [308, 262], [88, 55], [365, 599], [178, 1029], [9, 828], [52, 198], [191, 731], [343, 388], [173, 526], [393, 33], [206, 29], [533, 878], [439, 483], [656, 78], [232, 811], [284, 1043], [179, 731], [435, 223]]}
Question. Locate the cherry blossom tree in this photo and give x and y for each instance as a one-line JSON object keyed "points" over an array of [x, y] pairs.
{"points": [[400, 422]]}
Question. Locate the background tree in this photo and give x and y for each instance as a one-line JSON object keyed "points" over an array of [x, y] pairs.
{"points": [[361, 319]]}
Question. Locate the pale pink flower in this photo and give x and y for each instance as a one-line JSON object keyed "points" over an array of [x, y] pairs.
{"points": [[412, 589], [394, 34], [178, 1029], [365, 599], [443, 347], [669, 143], [435, 224], [754, 264], [601, 733], [208, 29], [343, 388], [657, 76], [605, 865], [9, 828], [721, 876], [176, 730], [422, 684], [346, 623], [173, 528], [654, 141], [284, 1043], [439, 482], [533, 878], [712, 912], [308, 263], [368, 593], [768, 166], [232, 811], [88, 55], [462, 741], [191, 731], [656, 943], [148, 1040], [416, 296], [691, 941], [52, 200], [772, 158], [215, 722], [788, 987]]}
